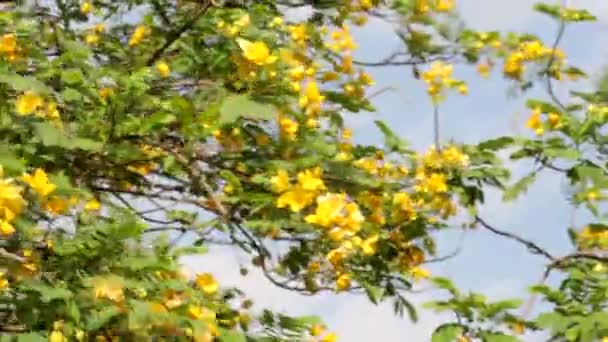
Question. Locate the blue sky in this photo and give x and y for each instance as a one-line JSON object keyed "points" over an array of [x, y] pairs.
{"points": [[487, 263]]}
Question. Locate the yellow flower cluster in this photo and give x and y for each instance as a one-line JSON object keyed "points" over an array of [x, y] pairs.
{"points": [[8, 47], [140, 33], [342, 218], [439, 77], [233, 30], [589, 238], [535, 122], [288, 127], [423, 7], [298, 196], [530, 51], [93, 36], [11, 204], [31, 103]]}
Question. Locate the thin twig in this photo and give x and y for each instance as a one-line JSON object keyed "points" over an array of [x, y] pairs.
{"points": [[533, 247], [175, 35]]}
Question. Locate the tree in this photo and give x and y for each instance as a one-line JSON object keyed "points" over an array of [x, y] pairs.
{"points": [[129, 125]]}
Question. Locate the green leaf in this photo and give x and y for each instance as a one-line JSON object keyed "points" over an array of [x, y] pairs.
{"points": [[447, 333], [498, 337], [519, 187], [24, 83], [72, 76], [51, 135], [551, 10], [71, 95], [10, 163], [446, 284], [566, 153], [101, 318], [242, 106], [391, 140], [231, 336], [49, 293], [31, 337], [198, 250], [496, 144], [374, 293]]}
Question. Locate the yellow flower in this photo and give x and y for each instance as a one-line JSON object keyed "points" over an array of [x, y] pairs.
{"points": [[257, 52], [28, 103], [436, 183], [6, 229], [534, 122], [105, 92], [92, 205], [3, 281], [91, 39], [289, 127], [419, 273], [277, 21], [56, 205], [99, 28], [335, 257], [11, 201], [52, 112], [331, 337], [463, 89], [280, 182], [8, 44], [343, 282], [141, 31], [243, 21], [483, 69], [554, 120], [163, 69], [296, 199], [311, 179], [207, 283], [110, 287], [39, 182], [329, 210], [56, 336], [86, 7], [317, 330], [312, 96], [444, 5], [369, 245]]}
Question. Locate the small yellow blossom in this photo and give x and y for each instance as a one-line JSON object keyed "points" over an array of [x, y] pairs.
{"points": [[56, 336], [256, 52], [331, 337], [28, 103], [91, 39], [163, 69], [419, 273], [207, 283], [311, 179], [39, 182], [110, 287], [296, 198], [86, 7], [141, 31], [534, 122], [6, 229], [92, 205], [343, 282], [280, 182]]}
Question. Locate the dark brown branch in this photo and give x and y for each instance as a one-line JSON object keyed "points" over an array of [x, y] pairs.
{"points": [[533, 247]]}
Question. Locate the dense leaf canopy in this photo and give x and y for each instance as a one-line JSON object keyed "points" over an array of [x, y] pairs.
{"points": [[127, 125]]}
